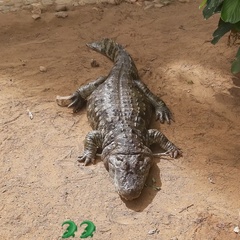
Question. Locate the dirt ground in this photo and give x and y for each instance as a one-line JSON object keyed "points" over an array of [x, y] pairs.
{"points": [[42, 185]]}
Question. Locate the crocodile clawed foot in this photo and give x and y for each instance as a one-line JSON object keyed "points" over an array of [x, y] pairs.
{"points": [[74, 101], [173, 153], [86, 159], [164, 114]]}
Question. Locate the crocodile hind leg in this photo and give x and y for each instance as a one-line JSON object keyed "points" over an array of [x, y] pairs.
{"points": [[161, 110], [156, 136], [93, 141], [78, 99]]}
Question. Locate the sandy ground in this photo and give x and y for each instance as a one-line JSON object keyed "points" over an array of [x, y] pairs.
{"points": [[42, 185]]}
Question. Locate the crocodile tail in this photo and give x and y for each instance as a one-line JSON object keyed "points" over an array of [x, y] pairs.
{"points": [[107, 47]]}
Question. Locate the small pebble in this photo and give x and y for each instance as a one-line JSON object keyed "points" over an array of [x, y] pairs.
{"points": [[36, 16], [94, 63], [159, 5], [147, 3], [153, 231], [61, 7], [37, 8], [37, 11], [167, 2], [75, 4], [148, 6], [30, 114], [42, 69], [61, 14], [236, 229]]}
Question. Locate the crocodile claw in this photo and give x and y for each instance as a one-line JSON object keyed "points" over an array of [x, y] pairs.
{"points": [[74, 101], [86, 159], [164, 114], [173, 153], [77, 102]]}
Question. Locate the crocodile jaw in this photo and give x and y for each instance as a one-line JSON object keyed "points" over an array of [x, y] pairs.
{"points": [[131, 185], [129, 173]]}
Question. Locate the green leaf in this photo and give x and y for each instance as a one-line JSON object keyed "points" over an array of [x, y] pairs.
{"points": [[231, 11], [222, 29], [214, 3], [202, 3], [236, 27], [212, 7], [236, 63]]}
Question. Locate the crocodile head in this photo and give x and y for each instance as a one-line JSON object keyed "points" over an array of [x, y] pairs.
{"points": [[129, 172]]}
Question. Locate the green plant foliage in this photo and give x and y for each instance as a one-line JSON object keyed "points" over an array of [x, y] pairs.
{"points": [[229, 21], [231, 11], [202, 3], [222, 29], [236, 63], [214, 3], [212, 7], [237, 26]]}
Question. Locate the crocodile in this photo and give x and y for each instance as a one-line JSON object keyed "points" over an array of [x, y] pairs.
{"points": [[119, 109]]}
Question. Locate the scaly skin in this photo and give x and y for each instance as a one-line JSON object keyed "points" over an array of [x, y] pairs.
{"points": [[119, 109]]}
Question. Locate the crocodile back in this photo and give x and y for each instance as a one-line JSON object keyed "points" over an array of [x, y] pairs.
{"points": [[122, 113], [118, 106]]}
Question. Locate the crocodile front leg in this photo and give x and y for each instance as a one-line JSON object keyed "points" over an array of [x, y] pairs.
{"points": [[161, 110], [156, 136], [77, 100], [93, 141]]}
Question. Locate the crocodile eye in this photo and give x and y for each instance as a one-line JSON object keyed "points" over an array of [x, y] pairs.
{"points": [[116, 161], [121, 162], [119, 159], [145, 164]]}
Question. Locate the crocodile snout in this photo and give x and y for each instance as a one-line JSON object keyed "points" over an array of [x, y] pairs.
{"points": [[129, 185], [130, 194], [130, 175]]}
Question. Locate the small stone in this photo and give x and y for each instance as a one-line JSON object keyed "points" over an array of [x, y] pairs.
{"points": [[37, 8], [148, 6], [9, 3], [42, 69], [47, 2], [61, 8], [36, 11], [147, 3], [167, 2], [94, 63], [26, 7], [236, 229], [36, 16], [159, 5], [14, 9], [61, 14], [75, 4], [153, 231]]}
